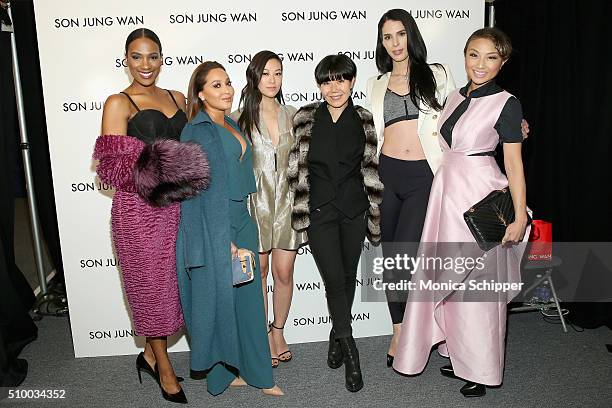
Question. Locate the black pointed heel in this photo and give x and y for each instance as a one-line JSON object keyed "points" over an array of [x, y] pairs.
{"points": [[178, 397], [472, 389], [143, 365], [448, 371], [334, 353], [390, 359]]}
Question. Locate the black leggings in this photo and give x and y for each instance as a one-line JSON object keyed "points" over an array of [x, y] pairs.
{"points": [[407, 185], [336, 242]]}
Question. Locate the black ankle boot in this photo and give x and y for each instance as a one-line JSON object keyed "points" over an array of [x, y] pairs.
{"points": [[334, 354], [354, 380]]}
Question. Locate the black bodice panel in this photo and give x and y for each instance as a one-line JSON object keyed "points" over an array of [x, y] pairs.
{"points": [[149, 125]]}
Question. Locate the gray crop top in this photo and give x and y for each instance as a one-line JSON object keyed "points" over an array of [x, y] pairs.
{"points": [[398, 107]]}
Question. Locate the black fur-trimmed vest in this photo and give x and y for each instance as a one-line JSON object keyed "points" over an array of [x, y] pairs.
{"points": [[297, 173]]}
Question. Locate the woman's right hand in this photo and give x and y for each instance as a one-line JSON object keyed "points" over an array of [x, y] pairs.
{"points": [[234, 250]]}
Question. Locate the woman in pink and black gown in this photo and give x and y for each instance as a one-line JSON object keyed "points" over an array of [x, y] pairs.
{"points": [[469, 327]]}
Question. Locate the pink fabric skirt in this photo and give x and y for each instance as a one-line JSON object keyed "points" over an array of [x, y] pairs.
{"points": [[145, 241], [471, 333]]}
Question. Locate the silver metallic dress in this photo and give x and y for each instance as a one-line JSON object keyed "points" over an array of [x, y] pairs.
{"points": [[271, 205]]}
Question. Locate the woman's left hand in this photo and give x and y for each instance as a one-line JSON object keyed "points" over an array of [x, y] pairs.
{"points": [[515, 231], [233, 250]]}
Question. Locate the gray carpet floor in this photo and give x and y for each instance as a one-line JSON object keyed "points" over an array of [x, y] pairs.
{"points": [[544, 368]]}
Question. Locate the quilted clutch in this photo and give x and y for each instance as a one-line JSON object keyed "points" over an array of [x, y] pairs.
{"points": [[488, 219], [243, 268]]}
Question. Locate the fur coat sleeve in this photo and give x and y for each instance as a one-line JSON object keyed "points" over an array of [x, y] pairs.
{"points": [[117, 155], [369, 172], [168, 171], [162, 172]]}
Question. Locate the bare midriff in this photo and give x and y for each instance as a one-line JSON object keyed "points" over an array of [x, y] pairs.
{"points": [[401, 141]]}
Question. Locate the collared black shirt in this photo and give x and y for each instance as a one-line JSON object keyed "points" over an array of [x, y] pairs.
{"points": [[508, 124], [334, 161]]}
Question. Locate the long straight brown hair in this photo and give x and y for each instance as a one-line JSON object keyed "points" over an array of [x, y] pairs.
{"points": [[196, 84]]}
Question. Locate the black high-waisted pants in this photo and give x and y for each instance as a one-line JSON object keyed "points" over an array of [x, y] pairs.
{"points": [[403, 209], [336, 242]]}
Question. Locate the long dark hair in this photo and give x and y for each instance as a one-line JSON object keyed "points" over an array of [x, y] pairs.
{"points": [[196, 83], [421, 81], [250, 98], [142, 33]]}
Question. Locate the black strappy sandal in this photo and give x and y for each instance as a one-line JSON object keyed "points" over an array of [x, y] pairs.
{"points": [[275, 360], [283, 360]]}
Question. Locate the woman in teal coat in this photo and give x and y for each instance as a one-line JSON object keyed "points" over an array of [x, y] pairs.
{"points": [[226, 323]]}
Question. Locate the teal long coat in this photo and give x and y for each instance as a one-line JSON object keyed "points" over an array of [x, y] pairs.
{"points": [[209, 300]]}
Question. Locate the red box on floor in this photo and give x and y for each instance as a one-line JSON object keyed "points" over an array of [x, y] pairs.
{"points": [[540, 241]]}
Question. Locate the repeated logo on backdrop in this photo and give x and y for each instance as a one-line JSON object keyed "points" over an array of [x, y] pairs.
{"points": [[98, 21], [89, 186], [285, 56], [80, 106], [75, 89], [213, 18], [323, 15]]}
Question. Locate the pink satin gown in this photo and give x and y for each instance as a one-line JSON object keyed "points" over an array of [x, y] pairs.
{"points": [[471, 333]]}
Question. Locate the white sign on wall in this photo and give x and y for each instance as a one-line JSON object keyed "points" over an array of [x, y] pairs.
{"points": [[81, 54]]}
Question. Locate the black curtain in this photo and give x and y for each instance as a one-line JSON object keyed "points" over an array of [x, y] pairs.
{"points": [[16, 296], [29, 67], [561, 75]]}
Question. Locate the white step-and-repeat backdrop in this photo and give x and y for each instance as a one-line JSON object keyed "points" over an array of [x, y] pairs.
{"points": [[81, 47]]}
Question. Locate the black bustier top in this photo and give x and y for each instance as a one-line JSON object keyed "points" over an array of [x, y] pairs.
{"points": [[149, 125]]}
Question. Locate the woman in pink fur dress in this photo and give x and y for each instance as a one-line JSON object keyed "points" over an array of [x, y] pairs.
{"points": [[141, 157]]}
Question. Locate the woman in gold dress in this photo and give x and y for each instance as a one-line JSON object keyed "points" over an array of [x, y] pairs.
{"points": [[267, 121]]}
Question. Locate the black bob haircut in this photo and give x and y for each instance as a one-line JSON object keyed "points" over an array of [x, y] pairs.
{"points": [[335, 67]]}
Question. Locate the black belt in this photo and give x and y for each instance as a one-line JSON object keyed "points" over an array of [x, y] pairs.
{"points": [[491, 153]]}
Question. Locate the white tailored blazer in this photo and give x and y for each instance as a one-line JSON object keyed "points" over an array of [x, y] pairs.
{"points": [[428, 121]]}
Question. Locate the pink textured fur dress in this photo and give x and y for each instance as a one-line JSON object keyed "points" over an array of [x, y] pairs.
{"points": [[150, 176]]}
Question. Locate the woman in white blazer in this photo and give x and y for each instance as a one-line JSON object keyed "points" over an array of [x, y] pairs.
{"points": [[406, 100]]}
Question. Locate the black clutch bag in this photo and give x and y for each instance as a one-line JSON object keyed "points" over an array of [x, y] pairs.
{"points": [[488, 219]]}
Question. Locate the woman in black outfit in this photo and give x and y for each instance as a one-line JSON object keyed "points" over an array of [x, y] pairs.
{"points": [[333, 174]]}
